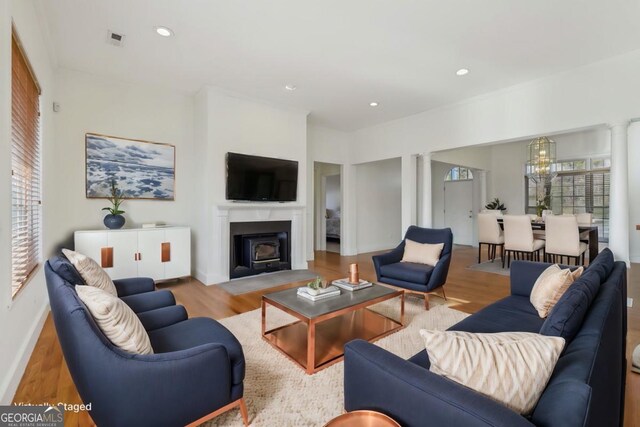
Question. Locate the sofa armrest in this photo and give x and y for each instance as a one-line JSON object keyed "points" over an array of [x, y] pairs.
{"points": [[140, 303], [524, 275], [395, 255], [134, 285], [440, 272], [375, 379], [161, 317]]}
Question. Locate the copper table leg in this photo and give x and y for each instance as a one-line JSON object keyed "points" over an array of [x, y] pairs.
{"points": [[311, 347]]}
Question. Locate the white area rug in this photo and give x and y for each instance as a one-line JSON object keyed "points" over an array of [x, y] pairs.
{"points": [[279, 393]]}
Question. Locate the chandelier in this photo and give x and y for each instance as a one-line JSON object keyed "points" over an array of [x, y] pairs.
{"points": [[541, 160]]}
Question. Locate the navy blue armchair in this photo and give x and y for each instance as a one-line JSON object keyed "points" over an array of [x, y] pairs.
{"points": [[139, 293], [417, 278], [196, 372]]}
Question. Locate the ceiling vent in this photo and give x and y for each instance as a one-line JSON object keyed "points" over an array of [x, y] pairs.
{"points": [[115, 38]]}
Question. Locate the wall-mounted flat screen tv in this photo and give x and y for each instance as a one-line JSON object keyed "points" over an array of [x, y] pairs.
{"points": [[261, 179]]}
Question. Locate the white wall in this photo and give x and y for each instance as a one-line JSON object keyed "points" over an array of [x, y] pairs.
{"points": [[378, 195], [471, 157], [21, 319], [230, 123], [634, 191], [100, 105]]}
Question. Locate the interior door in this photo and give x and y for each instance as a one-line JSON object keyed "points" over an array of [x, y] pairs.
{"points": [[150, 250], [458, 210], [125, 247]]}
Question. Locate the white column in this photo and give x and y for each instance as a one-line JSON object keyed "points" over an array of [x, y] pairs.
{"points": [[409, 195], [482, 182], [426, 213], [619, 193]]}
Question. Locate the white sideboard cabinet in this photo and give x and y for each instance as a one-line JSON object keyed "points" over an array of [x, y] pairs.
{"points": [[160, 253]]}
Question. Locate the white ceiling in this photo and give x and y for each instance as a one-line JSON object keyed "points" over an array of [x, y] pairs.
{"points": [[342, 54]]}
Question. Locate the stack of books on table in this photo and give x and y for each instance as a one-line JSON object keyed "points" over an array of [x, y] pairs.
{"points": [[328, 292], [345, 284]]}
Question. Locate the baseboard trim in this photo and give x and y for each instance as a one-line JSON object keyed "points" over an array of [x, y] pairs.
{"points": [[19, 365], [200, 276]]}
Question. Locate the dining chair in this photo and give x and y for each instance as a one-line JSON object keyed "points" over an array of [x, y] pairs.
{"points": [[490, 234], [563, 239], [584, 218], [519, 240]]}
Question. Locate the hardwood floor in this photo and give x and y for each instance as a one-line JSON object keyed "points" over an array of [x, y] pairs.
{"points": [[47, 378]]}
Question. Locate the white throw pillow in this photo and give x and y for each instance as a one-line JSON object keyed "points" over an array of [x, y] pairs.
{"points": [[512, 368], [422, 253], [550, 286], [116, 320], [91, 271]]}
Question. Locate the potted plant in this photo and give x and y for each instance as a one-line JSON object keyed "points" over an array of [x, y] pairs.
{"points": [[542, 205], [316, 286], [114, 219], [495, 205]]}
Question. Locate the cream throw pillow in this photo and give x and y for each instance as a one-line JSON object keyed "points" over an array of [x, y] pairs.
{"points": [[422, 253], [91, 271], [550, 286], [116, 320], [512, 368]]}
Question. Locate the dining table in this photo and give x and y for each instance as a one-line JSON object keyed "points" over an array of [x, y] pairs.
{"points": [[582, 228]]}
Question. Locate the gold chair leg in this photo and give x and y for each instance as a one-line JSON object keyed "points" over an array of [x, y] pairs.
{"points": [[443, 294]]}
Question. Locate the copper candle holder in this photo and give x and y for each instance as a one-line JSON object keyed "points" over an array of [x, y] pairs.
{"points": [[354, 275]]}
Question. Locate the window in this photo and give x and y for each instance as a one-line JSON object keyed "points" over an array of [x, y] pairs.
{"points": [[25, 170], [459, 173], [580, 186]]}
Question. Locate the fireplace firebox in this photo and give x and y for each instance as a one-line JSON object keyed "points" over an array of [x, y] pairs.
{"points": [[259, 247]]}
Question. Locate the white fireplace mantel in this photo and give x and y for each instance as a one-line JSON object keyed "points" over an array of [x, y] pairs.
{"points": [[225, 214]]}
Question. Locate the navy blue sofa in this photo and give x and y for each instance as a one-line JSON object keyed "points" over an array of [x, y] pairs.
{"points": [[416, 278], [585, 389], [196, 371]]}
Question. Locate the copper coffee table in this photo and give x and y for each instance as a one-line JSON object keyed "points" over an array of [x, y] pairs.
{"points": [[317, 339]]}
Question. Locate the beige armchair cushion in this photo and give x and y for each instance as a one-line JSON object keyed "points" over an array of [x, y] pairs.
{"points": [[116, 320], [422, 253], [512, 368], [91, 272], [550, 286]]}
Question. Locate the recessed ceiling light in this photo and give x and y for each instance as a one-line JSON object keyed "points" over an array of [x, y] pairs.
{"points": [[462, 72], [373, 104], [164, 31], [291, 87]]}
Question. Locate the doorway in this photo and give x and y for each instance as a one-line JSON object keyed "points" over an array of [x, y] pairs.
{"points": [[458, 204], [328, 207]]}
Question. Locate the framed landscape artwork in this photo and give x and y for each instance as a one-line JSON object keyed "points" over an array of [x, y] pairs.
{"points": [[141, 169]]}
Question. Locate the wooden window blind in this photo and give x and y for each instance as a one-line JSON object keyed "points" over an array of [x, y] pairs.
{"points": [[25, 170]]}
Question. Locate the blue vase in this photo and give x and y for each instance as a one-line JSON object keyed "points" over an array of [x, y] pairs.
{"points": [[114, 222]]}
